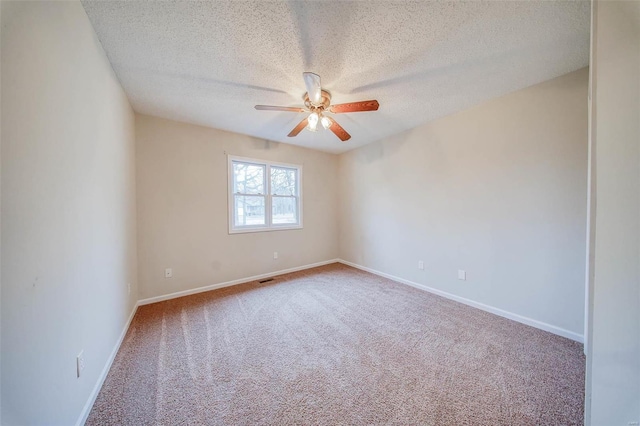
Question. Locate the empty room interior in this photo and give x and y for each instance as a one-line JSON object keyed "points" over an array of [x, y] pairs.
{"points": [[320, 212]]}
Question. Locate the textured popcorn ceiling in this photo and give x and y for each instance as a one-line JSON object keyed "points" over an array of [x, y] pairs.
{"points": [[210, 62]]}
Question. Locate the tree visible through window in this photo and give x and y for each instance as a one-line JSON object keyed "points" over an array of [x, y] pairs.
{"points": [[263, 195]]}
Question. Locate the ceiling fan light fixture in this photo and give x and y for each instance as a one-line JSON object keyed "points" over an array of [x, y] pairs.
{"points": [[326, 123], [313, 121], [316, 103]]}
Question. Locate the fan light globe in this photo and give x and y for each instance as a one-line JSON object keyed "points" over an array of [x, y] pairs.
{"points": [[313, 121], [326, 123]]}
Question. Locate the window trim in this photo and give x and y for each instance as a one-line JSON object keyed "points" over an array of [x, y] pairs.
{"points": [[268, 226]]}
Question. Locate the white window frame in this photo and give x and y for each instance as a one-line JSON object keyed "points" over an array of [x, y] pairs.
{"points": [[268, 226]]}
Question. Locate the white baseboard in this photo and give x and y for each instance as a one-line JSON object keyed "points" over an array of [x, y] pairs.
{"points": [[230, 283], [506, 314], [103, 375]]}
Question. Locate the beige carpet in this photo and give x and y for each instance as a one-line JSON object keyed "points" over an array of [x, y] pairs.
{"points": [[335, 345]]}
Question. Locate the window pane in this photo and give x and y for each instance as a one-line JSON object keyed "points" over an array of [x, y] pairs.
{"points": [[285, 210], [248, 178], [249, 210], [284, 181]]}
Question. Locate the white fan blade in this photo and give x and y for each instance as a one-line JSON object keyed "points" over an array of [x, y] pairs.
{"points": [[313, 87]]}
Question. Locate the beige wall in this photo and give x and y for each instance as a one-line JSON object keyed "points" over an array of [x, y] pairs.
{"points": [[68, 211], [613, 367], [498, 190], [182, 208]]}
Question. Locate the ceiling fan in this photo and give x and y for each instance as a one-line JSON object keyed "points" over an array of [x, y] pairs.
{"points": [[318, 103]]}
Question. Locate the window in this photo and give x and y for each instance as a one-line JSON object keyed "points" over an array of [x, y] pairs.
{"points": [[264, 196]]}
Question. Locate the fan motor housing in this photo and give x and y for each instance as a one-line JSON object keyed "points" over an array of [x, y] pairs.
{"points": [[324, 103]]}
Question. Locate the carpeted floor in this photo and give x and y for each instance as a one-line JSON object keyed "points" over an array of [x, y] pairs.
{"points": [[335, 345]]}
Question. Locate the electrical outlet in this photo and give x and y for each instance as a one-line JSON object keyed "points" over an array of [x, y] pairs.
{"points": [[168, 273], [275, 254], [462, 275], [80, 362], [420, 264]]}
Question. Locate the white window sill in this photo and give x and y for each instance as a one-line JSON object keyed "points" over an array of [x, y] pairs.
{"points": [[273, 228]]}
